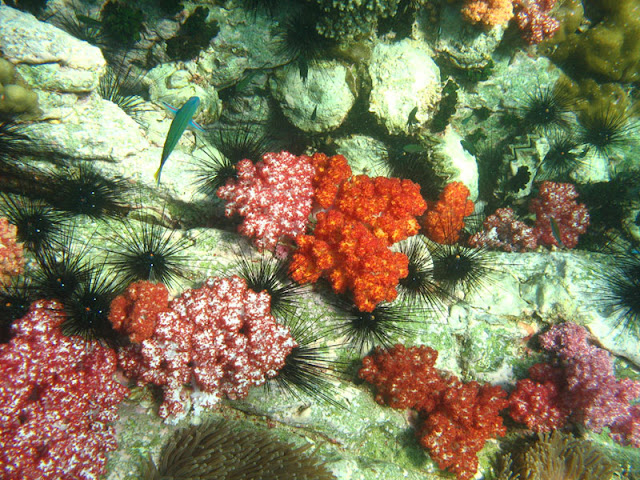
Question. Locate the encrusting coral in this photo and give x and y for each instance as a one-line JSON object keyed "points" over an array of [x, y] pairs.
{"points": [[221, 450]]}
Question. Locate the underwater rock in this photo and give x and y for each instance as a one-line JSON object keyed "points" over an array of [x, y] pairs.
{"points": [[403, 77], [366, 154], [319, 104], [465, 45], [170, 84], [455, 163], [49, 58]]}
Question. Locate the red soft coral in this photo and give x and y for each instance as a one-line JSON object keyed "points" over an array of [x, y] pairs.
{"points": [[275, 198], [221, 338], [557, 201], [467, 415], [503, 231], [57, 400], [457, 418], [445, 218], [135, 312]]}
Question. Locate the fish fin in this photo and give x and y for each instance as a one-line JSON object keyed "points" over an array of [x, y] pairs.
{"points": [[197, 126], [171, 108]]}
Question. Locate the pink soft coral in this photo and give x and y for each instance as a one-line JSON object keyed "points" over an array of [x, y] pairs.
{"points": [[57, 401], [585, 388], [557, 202], [274, 196], [214, 341]]}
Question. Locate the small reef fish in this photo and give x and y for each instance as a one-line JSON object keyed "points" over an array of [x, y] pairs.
{"points": [[412, 120], [555, 231], [183, 119]]}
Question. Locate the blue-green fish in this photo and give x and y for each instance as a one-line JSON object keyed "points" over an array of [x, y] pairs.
{"points": [[555, 231], [183, 119]]}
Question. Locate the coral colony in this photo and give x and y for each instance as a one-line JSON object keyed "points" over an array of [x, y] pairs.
{"points": [[78, 334]]}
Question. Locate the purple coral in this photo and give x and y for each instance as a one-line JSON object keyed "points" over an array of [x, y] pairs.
{"points": [[597, 398], [504, 231], [534, 20]]}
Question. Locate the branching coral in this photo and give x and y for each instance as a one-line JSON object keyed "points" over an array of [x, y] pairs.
{"points": [[534, 20]]}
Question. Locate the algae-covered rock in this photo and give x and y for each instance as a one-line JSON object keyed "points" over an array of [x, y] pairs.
{"points": [[14, 96], [610, 48]]}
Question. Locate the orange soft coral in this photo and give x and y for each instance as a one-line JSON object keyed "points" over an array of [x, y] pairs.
{"points": [[330, 173], [488, 12], [11, 260], [445, 218], [349, 246]]}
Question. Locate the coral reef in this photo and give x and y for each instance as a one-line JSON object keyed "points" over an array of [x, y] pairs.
{"points": [[585, 388], [57, 400], [274, 196], [221, 338], [457, 418], [445, 218]]}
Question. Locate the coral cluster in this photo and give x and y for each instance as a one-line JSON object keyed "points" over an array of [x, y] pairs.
{"points": [[556, 204], [11, 261], [349, 246], [57, 399], [457, 418], [534, 20], [445, 218], [220, 338], [504, 231], [584, 389], [560, 221], [274, 196], [488, 12]]}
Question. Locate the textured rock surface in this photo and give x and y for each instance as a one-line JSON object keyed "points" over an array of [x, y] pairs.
{"points": [[49, 58], [403, 77], [319, 104]]}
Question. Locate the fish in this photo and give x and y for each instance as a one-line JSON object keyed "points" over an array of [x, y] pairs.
{"points": [[412, 120], [555, 231], [183, 118], [314, 115]]}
